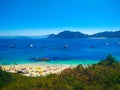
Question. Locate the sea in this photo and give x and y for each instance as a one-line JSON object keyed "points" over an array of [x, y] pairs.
{"points": [[84, 51]]}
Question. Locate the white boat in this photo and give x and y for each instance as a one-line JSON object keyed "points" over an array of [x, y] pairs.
{"points": [[119, 43], [106, 43], [31, 45]]}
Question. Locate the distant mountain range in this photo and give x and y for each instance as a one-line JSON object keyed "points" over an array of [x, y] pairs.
{"points": [[69, 34], [107, 34]]}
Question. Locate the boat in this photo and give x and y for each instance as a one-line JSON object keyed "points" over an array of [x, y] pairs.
{"points": [[65, 46], [43, 46], [106, 43], [31, 45], [119, 43], [92, 47], [53, 48], [12, 46]]}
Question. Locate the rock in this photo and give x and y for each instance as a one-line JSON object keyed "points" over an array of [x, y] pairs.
{"points": [[40, 59]]}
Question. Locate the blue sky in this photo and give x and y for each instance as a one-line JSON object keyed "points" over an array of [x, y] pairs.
{"points": [[38, 17]]}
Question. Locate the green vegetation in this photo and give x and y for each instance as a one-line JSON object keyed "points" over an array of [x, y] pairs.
{"points": [[109, 61], [4, 78], [102, 76]]}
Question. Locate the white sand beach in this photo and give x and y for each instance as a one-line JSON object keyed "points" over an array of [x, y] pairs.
{"points": [[35, 70]]}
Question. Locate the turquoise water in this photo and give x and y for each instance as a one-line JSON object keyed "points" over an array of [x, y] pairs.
{"points": [[79, 51], [73, 62], [52, 62]]}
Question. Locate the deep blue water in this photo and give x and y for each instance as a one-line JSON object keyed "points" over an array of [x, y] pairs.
{"points": [[78, 51]]}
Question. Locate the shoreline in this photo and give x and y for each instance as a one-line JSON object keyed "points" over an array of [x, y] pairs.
{"points": [[36, 70]]}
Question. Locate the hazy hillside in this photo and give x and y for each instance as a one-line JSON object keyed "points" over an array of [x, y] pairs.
{"points": [[70, 34], [107, 34]]}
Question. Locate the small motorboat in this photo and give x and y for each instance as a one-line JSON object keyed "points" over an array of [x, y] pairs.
{"points": [[52, 48], [12, 46], [65, 46], [118, 43], [43, 46], [106, 43], [31, 45], [92, 47]]}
